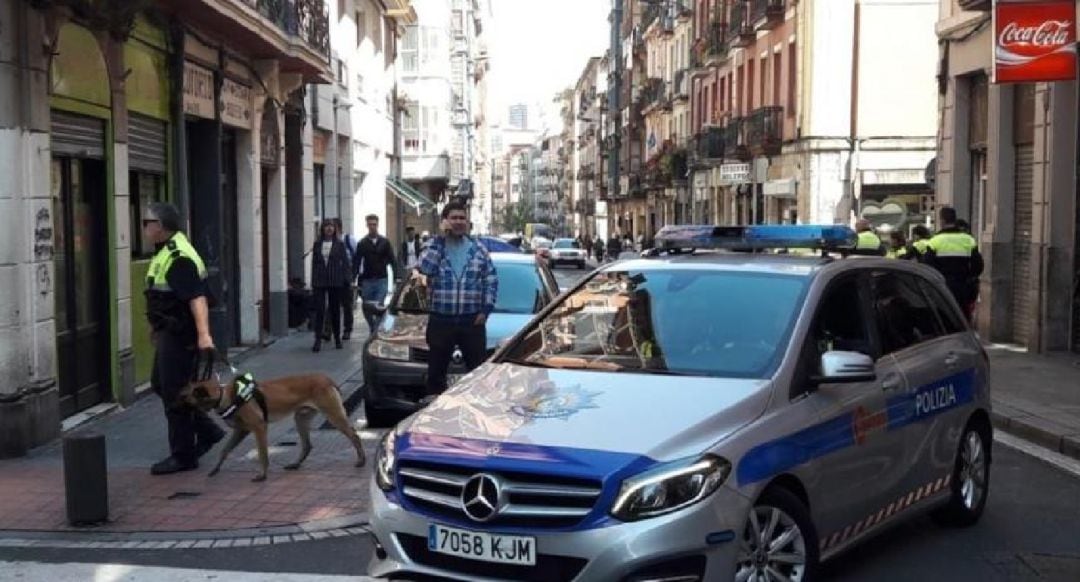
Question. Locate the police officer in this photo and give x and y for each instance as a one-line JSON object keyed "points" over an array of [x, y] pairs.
{"points": [[956, 254], [899, 248], [920, 240], [177, 307], [868, 242]]}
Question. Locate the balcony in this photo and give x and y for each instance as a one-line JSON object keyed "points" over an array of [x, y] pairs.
{"points": [[975, 4], [294, 32], [651, 14], [710, 144], [766, 14], [765, 131], [734, 138], [653, 94], [716, 45], [740, 32]]}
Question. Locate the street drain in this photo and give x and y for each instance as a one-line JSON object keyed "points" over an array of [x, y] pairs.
{"points": [[184, 495]]}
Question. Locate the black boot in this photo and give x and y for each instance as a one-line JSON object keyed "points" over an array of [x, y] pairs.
{"points": [[318, 346], [173, 465]]}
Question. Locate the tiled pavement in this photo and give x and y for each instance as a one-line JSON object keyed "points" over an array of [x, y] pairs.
{"points": [[326, 497], [1037, 397]]}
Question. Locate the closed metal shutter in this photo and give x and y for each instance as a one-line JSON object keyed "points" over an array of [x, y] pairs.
{"points": [[146, 144], [77, 135], [1023, 289]]}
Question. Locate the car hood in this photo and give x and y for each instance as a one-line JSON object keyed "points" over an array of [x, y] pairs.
{"points": [[411, 328], [660, 417]]}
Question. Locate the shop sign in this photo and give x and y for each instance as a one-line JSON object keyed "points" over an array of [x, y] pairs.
{"points": [[1034, 41], [198, 91], [236, 104], [734, 173]]}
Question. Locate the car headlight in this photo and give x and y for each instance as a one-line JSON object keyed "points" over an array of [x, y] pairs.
{"points": [[385, 459], [388, 351], [669, 487]]}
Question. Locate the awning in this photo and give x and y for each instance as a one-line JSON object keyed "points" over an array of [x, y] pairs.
{"points": [[409, 195]]}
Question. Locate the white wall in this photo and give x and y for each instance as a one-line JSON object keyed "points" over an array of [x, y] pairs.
{"points": [[827, 76]]}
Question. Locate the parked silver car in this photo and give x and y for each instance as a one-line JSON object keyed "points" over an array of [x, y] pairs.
{"points": [[704, 416]]}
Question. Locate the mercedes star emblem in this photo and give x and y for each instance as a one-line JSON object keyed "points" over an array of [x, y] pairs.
{"points": [[457, 357], [480, 498]]}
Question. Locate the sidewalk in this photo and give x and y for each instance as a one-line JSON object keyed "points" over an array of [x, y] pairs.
{"points": [[76, 572], [1037, 397], [326, 497]]}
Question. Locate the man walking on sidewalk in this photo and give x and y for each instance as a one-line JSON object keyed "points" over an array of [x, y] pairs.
{"points": [[956, 254], [177, 308], [374, 258], [348, 294], [463, 286]]}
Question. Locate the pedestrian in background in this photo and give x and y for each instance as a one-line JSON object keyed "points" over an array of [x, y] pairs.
{"points": [[868, 242], [464, 285], [614, 247], [920, 236], [177, 307], [955, 254], [331, 273], [374, 260], [598, 248], [410, 249], [348, 294], [899, 247]]}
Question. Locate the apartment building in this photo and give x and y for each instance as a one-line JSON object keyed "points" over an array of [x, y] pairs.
{"points": [[587, 162]]}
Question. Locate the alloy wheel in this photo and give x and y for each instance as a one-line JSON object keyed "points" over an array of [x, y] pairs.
{"points": [[773, 547], [972, 470]]}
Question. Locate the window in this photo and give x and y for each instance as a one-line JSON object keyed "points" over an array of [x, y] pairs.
{"points": [[410, 50], [904, 316], [145, 188], [944, 308], [791, 76], [410, 127], [762, 95], [840, 325], [777, 73], [361, 27], [651, 321]]}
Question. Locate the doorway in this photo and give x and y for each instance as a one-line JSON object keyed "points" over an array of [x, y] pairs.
{"points": [[80, 260], [230, 222], [264, 312]]}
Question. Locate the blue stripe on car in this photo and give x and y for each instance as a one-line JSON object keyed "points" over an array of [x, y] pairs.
{"points": [[783, 454], [606, 467]]}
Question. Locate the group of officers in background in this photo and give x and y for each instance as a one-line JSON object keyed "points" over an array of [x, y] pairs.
{"points": [[952, 251]]}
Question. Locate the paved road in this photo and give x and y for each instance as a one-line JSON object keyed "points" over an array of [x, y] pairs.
{"points": [[1031, 531]]}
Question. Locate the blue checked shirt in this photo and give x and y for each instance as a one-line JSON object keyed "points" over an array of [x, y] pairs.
{"points": [[469, 292]]}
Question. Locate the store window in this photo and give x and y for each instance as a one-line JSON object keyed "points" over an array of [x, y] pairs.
{"points": [[146, 188]]}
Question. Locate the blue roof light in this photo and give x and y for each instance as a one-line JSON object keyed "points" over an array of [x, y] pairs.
{"points": [[757, 237]]}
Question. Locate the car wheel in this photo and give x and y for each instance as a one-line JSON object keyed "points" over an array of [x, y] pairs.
{"points": [[581, 265], [970, 482], [378, 417], [778, 540]]}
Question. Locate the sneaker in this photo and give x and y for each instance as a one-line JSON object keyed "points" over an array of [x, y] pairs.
{"points": [[172, 465]]}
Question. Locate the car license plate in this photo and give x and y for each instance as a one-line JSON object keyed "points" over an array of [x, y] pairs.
{"points": [[518, 550]]}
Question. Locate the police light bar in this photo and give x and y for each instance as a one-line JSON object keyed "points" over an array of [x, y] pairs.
{"points": [[757, 237]]}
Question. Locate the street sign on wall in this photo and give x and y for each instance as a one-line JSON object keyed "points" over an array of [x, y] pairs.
{"points": [[734, 173], [1034, 41]]}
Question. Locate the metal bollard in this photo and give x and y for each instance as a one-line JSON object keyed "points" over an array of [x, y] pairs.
{"points": [[86, 483]]}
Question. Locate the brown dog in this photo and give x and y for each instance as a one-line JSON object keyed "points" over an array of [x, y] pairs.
{"points": [[300, 396]]}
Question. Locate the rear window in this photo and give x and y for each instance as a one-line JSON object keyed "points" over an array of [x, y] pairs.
{"points": [[567, 243], [684, 322]]}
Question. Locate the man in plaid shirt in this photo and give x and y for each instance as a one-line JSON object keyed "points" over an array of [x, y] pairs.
{"points": [[463, 285]]}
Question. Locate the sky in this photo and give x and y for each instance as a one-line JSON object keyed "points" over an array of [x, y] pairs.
{"points": [[540, 47]]}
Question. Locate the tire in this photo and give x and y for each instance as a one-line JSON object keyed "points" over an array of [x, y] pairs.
{"points": [[581, 266], [379, 417], [752, 558], [970, 482]]}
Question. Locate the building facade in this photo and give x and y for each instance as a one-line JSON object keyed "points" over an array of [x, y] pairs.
{"points": [[1006, 160]]}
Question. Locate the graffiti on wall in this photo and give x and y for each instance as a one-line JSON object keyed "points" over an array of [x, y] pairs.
{"points": [[43, 235]]}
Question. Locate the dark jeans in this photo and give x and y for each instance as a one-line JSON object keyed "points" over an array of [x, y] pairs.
{"points": [[444, 333], [175, 361], [348, 305], [328, 299]]}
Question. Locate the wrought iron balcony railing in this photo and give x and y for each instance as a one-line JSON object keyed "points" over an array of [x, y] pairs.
{"points": [[653, 92], [710, 143], [740, 29], [765, 131], [307, 19], [766, 14], [734, 138]]}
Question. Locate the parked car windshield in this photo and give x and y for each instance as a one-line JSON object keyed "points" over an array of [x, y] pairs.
{"points": [[685, 322], [566, 243], [520, 291]]}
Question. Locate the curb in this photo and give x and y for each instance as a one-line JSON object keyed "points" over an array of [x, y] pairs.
{"points": [[348, 525], [1038, 431]]}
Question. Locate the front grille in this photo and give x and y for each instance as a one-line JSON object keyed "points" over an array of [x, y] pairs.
{"points": [[548, 567], [421, 355], [532, 500]]}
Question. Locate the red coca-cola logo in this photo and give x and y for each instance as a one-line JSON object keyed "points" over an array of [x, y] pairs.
{"points": [[1034, 41]]}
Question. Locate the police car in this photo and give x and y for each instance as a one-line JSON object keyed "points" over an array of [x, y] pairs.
{"points": [[734, 413]]}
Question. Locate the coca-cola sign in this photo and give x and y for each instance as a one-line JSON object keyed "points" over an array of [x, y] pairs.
{"points": [[1034, 41]]}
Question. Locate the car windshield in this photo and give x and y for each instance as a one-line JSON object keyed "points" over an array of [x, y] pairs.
{"points": [[520, 291], [667, 321], [566, 243]]}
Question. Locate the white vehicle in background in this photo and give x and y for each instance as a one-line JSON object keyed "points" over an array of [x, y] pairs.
{"points": [[567, 250]]}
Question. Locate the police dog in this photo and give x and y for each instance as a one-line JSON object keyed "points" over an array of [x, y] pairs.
{"points": [[300, 396]]}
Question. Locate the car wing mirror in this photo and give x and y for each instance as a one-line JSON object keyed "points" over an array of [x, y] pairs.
{"points": [[839, 367]]}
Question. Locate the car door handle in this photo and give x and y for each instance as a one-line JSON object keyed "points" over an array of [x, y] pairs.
{"points": [[891, 382], [952, 360]]}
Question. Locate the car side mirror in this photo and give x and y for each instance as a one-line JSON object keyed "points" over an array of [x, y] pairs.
{"points": [[845, 368]]}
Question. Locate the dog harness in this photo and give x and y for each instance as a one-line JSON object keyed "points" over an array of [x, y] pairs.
{"points": [[246, 391]]}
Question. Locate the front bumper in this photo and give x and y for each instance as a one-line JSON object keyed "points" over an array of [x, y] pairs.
{"points": [[614, 553]]}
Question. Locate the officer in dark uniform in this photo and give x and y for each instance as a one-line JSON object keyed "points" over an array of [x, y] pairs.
{"points": [[955, 253], [177, 307]]}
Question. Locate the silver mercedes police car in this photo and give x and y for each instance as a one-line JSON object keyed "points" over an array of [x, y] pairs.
{"points": [[697, 416]]}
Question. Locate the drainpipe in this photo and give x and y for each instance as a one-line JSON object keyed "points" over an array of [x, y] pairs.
{"points": [[848, 201], [335, 189]]}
